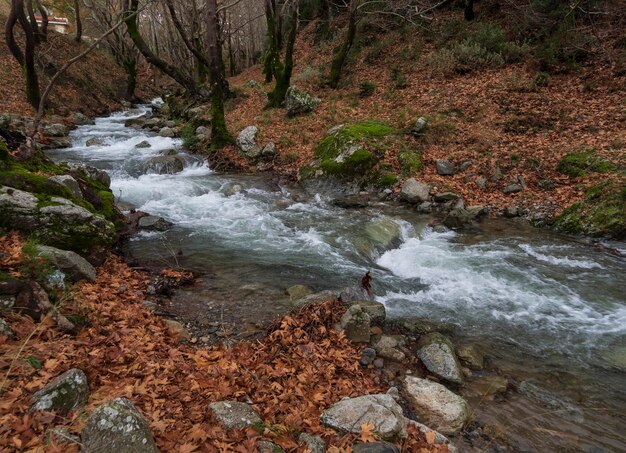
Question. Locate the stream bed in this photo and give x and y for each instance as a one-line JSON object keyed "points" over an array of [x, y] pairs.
{"points": [[545, 308]]}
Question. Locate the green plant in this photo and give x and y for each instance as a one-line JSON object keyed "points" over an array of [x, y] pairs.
{"points": [[366, 89], [410, 162], [189, 135], [398, 78], [33, 266], [375, 52], [34, 362], [580, 163], [542, 79]]}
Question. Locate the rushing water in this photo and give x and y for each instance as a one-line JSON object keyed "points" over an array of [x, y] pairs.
{"points": [[545, 307]]}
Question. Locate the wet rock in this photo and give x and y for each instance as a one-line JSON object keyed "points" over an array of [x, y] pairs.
{"points": [[351, 201], [80, 120], [297, 292], [94, 173], [445, 168], [55, 130], [458, 218], [419, 126], [314, 444], [388, 347], [354, 294], [232, 189], [384, 234], [63, 394], [368, 355], [513, 188], [70, 263], [375, 310], [95, 141], [425, 207], [136, 122], [143, 144], [614, 357], [5, 329], [117, 426], [316, 298], [380, 410], [375, 447], [436, 406], [414, 191], [487, 386], [169, 152], [234, 415], [299, 102], [153, 223], [177, 330], [167, 132], [68, 182], [512, 211], [477, 211], [471, 356], [246, 141], [437, 354], [443, 197], [564, 406], [265, 446], [164, 165], [356, 324]]}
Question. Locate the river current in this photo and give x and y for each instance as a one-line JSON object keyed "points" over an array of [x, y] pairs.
{"points": [[546, 308]]}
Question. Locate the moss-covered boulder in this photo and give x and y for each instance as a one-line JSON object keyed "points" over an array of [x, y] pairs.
{"points": [[601, 213], [583, 162], [352, 154], [63, 394]]}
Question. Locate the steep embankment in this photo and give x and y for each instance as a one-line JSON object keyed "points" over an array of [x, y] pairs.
{"points": [[91, 86], [501, 124]]}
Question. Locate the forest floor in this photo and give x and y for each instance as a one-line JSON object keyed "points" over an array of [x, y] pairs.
{"points": [[501, 120]]}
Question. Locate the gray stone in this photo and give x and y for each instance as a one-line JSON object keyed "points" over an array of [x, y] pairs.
{"points": [[170, 124], [445, 168], [425, 207], [465, 165], [154, 223], [560, 404], [81, 120], [351, 201], [383, 233], [414, 191], [265, 446], [487, 386], [169, 152], [380, 410], [167, 132], [297, 292], [117, 426], [5, 329], [471, 356], [375, 310], [356, 324], [164, 165], [6, 301], [246, 142], [379, 363], [388, 347], [136, 122], [481, 182], [94, 173], [95, 141], [232, 189], [458, 218], [477, 211], [419, 126], [512, 211], [513, 188], [375, 447], [203, 130], [63, 394], [314, 444], [436, 406], [443, 197], [316, 298], [437, 354], [69, 182], [368, 355], [143, 144], [70, 263], [269, 150], [55, 130], [354, 294], [234, 415], [298, 102]]}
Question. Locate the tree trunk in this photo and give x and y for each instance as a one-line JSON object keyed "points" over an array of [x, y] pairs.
{"points": [[469, 10], [272, 56], [44, 21], [133, 31], [342, 53], [282, 73], [130, 67], [220, 136], [33, 22], [79, 22], [323, 26]]}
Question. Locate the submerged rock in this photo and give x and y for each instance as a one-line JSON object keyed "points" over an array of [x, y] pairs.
{"points": [[234, 415], [471, 356], [154, 223], [63, 394], [297, 292], [117, 426], [437, 354], [563, 406], [487, 386], [436, 406]]}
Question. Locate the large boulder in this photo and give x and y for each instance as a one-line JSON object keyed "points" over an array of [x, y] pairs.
{"points": [[55, 130], [117, 426], [437, 354], [351, 156], [380, 410], [63, 394], [164, 165], [355, 323], [68, 182], [436, 406], [383, 233], [375, 310], [167, 132], [246, 141], [70, 263], [414, 191], [299, 102], [234, 414], [153, 223]]}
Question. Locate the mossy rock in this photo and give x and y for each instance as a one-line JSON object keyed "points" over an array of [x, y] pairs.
{"points": [[602, 213], [581, 163], [353, 153]]}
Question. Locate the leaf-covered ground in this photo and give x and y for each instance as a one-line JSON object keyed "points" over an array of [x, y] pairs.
{"points": [[290, 377]]}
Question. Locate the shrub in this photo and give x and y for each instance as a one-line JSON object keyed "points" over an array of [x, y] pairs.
{"points": [[189, 135], [366, 89], [375, 52], [398, 78], [542, 79]]}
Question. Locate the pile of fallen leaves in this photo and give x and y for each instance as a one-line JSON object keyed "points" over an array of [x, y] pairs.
{"points": [[301, 368]]}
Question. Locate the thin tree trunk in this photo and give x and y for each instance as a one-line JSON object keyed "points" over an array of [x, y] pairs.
{"points": [[33, 22], [323, 26], [44, 21], [130, 67], [272, 56], [469, 10], [283, 72], [220, 136], [79, 22], [342, 53]]}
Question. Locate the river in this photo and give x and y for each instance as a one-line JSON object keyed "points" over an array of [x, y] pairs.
{"points": [[546, 308]]}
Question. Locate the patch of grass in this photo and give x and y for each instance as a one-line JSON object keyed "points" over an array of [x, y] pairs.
{"points": [[366, 89], [410, 162], [579, 163]]}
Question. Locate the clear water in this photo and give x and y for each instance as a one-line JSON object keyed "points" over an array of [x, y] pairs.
{"points": [[546, 307]]}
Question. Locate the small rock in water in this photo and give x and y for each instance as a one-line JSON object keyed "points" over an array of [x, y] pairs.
{"points": [[232, 189], [167, 132], [95, 141], [143, 144], [153, 223], [471, 356], [563, 406], [297, 292]]}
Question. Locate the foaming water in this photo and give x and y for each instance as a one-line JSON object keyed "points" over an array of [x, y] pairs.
{"points": [[558, 302]]}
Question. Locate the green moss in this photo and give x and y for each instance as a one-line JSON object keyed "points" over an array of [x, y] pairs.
{"points": [[580, 163], [365, 133], [387, 180], [4, 153], [601, 213], [410, 161], [354, 165]]}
